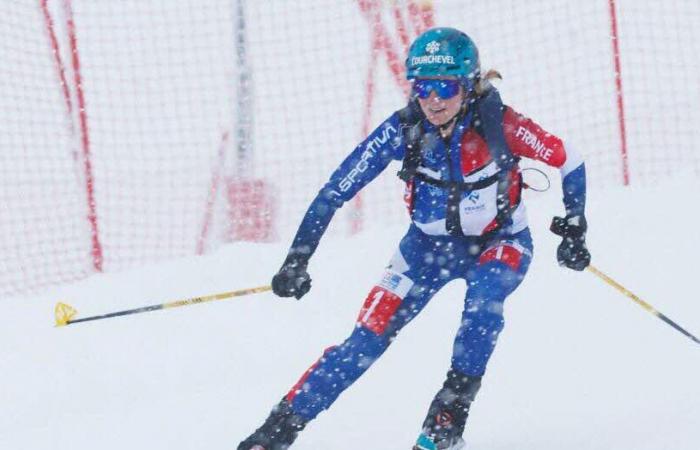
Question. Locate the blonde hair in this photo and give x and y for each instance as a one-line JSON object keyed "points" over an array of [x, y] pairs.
{"points": [[485, 81]]}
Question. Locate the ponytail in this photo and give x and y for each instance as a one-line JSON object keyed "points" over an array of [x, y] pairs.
{"points": [[484, 82]]}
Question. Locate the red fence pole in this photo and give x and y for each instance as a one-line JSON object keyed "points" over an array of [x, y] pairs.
{"points": [[97, 256], [60, 67], [400, 25], [619, 92], [421, 16], [372, 11]]}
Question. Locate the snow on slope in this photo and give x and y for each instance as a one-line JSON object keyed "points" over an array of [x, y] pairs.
{"points": [[578, 366]]}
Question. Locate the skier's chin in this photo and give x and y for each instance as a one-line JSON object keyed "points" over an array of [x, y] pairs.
{"points": [[439, 118]]}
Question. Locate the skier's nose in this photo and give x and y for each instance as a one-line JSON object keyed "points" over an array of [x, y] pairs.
{"points": [[434, 97]]}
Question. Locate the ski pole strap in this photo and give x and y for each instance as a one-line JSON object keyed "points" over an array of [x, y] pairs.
{"points": [[640, 302]]}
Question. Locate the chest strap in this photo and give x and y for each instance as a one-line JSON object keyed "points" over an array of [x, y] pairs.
{"points": [[463, 186]]}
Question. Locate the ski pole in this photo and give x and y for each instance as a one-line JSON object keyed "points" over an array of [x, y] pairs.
{"points": [[639, 301], [65, 313]]}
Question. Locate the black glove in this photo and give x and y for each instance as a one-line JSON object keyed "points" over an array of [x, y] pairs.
{"points": [[572, 251], [292, 280]]}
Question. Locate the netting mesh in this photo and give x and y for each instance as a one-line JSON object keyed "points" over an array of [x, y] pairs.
{"points": [[44, 234], [199, 122], [158, 84], [659, 46]]}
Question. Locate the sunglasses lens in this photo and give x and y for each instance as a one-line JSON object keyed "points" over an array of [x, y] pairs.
{"points": [[443, 88]]}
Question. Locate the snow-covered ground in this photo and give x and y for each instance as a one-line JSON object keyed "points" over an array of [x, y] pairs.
{"points": [[578, 366]]}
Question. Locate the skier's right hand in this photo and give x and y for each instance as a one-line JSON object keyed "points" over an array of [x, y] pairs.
{"points": [[292, 280], [572, 252]]}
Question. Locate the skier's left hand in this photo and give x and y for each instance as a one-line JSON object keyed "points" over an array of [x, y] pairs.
{"points": [[572, 252]]}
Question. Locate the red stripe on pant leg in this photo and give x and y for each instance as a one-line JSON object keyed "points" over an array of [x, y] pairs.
{"points": [[507, 254], [296, 389], [378, 309]]}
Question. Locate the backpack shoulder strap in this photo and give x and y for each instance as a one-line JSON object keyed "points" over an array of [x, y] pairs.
{"points": [[489, 124], [410, 127]]}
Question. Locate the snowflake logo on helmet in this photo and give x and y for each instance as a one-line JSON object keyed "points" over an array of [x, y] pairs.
{"points": [[432, 47]]}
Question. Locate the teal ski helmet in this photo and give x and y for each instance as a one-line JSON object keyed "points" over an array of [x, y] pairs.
{"points": [[443, 52]]}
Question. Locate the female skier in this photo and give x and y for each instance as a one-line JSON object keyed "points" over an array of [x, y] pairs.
{"points": [[460, 148]]}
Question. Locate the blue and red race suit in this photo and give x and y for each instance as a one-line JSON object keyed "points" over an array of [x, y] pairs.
{"points": [[429, 255]]}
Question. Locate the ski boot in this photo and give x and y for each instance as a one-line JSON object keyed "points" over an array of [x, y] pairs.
{"points": [[426, 443], [278, 432], [444, 425]]}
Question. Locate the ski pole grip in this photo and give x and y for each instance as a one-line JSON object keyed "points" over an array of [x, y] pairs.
{"points": [[558, 226], [569, 226]]}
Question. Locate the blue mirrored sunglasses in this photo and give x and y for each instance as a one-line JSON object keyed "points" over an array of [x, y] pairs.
{"points": [[443, 88]]}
